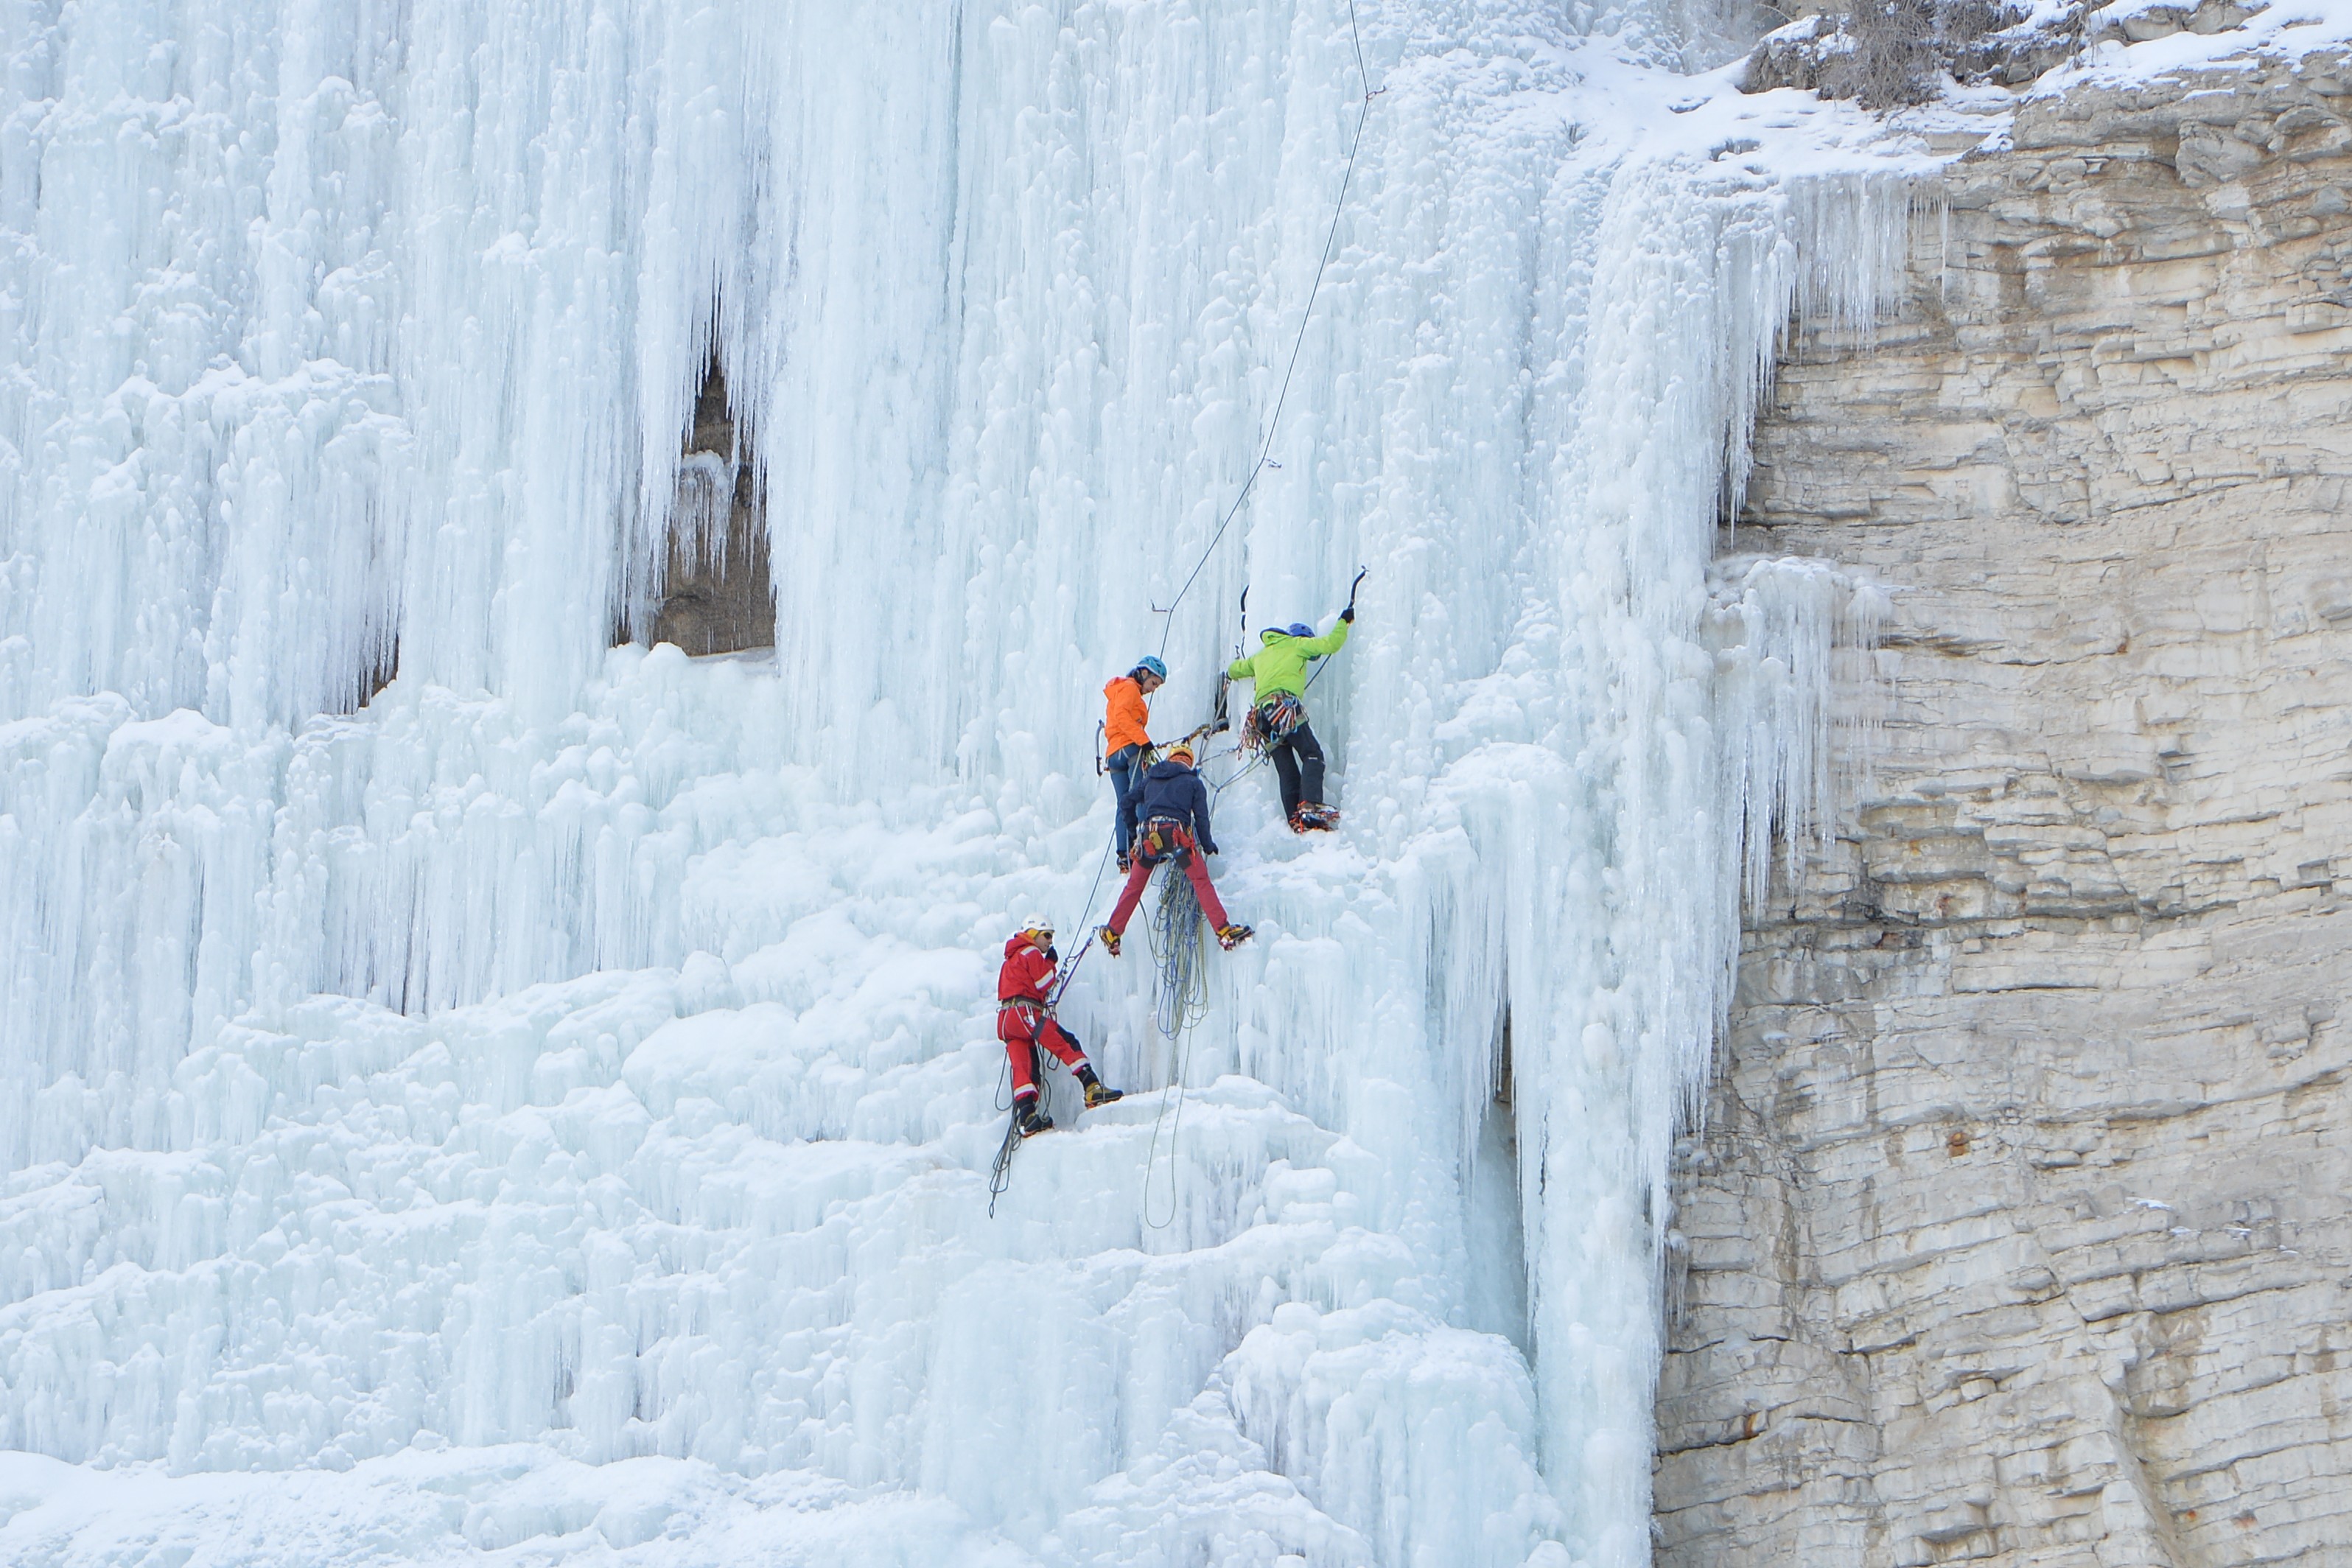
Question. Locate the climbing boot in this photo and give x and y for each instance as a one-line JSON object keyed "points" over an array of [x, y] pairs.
{"points": [[1298, 820], [1098, 1093], [1231, 937], [1109, 939], [1031, 1120], [1313, 817], [1125, 862]]}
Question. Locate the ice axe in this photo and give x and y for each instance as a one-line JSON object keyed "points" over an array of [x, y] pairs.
{"points": [[1218, 723], [1348, 615]]}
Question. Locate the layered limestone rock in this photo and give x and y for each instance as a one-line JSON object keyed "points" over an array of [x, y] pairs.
{"points": [[2019, 1231]]}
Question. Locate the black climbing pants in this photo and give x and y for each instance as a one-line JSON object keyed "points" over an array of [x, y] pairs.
{"points": [[1298, 763]]}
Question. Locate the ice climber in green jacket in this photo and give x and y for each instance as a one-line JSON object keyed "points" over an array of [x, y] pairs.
{"points": [[1277, 718]]}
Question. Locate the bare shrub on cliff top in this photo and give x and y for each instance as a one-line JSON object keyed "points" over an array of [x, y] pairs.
{"points": [[1893, 51]]}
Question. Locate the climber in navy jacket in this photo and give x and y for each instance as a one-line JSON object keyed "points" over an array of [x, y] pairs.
{"points": [[1172, 817]]}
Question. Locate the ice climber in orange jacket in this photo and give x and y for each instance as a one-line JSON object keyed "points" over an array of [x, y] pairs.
{"points": [[1126, 741], [1024, 1021]]}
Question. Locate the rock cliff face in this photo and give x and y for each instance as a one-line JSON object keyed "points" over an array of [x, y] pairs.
{"points": [[2020, 1230], [715, 596]]}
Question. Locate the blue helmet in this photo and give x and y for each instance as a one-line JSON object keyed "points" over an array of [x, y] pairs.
{"points": [[1148, 665], [1294, 629]]}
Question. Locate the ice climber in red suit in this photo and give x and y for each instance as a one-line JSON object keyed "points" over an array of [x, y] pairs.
{"points": [[1024, 1021]]}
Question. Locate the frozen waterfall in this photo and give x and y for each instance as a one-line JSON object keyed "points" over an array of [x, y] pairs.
{"points": [[472, 1087]]}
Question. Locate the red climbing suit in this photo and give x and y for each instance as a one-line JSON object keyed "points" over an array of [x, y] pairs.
{"points": [[1186, 851], [1021, 1019]]}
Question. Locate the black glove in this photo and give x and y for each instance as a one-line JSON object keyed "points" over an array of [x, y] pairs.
{"points": [[1051, 956], [1207, 848], [1349, 614]]}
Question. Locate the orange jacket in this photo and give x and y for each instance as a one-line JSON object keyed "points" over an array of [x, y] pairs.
{"points": [[1124, 715]]}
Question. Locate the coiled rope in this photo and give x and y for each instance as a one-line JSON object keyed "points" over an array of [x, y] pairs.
{"points": [[1179, 943]]}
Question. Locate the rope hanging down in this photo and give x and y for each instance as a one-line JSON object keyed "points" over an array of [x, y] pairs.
{"points": [[1180, 944], [1306, 317], [1179, 940], [1000, 1174]]}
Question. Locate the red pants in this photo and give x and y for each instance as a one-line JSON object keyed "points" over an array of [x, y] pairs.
{"points": [[1194, 866], [1020, 1028]]}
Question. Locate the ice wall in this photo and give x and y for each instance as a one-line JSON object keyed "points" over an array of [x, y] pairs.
{"points": [[585, 1057]]}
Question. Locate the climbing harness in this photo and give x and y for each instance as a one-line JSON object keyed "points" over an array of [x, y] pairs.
{"points": [[1164, 838], [1031, 1012], [1277, 718]]}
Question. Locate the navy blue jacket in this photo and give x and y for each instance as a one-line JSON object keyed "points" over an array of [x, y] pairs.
{"points": [[1171, 789]]}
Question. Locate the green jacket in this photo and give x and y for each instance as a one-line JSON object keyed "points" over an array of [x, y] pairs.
{"points": [[1281, 664]]}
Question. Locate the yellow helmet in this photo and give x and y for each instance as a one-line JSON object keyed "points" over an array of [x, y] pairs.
{"points": [[1181, 749]]}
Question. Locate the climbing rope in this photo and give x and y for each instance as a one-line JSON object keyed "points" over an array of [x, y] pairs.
{"points": [[1085, 934], [1000, 1174], [1182, 1055], [1306, 319], [1178, 936]]}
